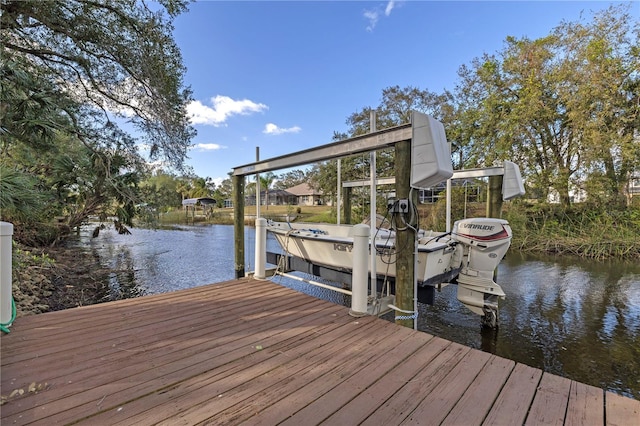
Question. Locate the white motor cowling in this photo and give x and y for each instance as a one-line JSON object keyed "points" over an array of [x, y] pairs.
{"points": [[485, 242]]}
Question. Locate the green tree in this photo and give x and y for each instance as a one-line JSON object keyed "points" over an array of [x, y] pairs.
{"points": [[266, 182], [223, 192], [563, 106], [184, 188], [103, 59], [289, 179], [160, 191], [394, 109], [604, 107], [17, 197], [74, 71], [200, 188]]}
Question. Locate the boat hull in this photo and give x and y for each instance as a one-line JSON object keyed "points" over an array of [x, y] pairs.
{"points": [[332, 246]]}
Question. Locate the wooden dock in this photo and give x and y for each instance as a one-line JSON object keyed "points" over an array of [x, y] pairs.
{"points": [[253, 352]]}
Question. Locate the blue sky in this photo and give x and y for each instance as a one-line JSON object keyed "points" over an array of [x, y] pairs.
{"points": [[284, 75]]}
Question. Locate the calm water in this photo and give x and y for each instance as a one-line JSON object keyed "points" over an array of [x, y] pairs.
{"points": [[573, 318]]}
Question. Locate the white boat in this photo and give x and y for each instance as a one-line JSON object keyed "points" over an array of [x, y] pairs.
{"points": [[470, 252]]}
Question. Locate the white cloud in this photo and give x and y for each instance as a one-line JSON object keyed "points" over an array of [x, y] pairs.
{"points": [[389, 8], [223, 108], [208, 146], [373, 15], [272, 129]]}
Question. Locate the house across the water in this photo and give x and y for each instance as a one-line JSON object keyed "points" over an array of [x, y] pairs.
{"points": [[299, 195], [306, 195]]}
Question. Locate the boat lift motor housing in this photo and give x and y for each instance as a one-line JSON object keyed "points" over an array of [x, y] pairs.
{"points": [[485, 241]]}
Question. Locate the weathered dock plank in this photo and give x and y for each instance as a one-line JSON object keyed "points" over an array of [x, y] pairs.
{"points": [[357, 409], [242, 379], [549, 405], [620, 411], [586, 405], [253, 352], [406, 399], [512, 405], [144, 368], [436, 405], [478, 398], [329, 393]]}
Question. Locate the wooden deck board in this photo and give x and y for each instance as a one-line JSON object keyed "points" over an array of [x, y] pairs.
{"points": [[267, 368], [331, 368], [437, 404], [143, 372], [123, 344], [478, 398], [586, 405], [515, 398], [406, 399], [38, 339], [331, 392], [549, 405], [359, 408], [253, 352], [620, 411]]}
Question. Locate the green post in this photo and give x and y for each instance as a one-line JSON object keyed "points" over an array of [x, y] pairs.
{"points": [[405, 239], [238, 224]]}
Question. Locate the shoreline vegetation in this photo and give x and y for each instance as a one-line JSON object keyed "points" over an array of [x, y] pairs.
{"points": [[580, 232], [537, 228], [55, 278]]}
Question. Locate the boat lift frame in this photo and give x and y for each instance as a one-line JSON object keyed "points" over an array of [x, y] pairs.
{"points": [[373, 141], [370, 142], [379, 139], [511, 189]]}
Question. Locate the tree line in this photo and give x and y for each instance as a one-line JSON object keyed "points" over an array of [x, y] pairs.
{"points": [[77, 75], [163, 191], [564, 107]]}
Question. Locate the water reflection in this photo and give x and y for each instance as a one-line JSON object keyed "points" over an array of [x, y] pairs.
{"points": [[582, 319], [569, 317]]}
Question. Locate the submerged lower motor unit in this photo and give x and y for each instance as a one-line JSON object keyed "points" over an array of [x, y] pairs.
{"points": [[485, 241]]}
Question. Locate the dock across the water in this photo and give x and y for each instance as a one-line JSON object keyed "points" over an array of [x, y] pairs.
{"points": [[253, 352]]}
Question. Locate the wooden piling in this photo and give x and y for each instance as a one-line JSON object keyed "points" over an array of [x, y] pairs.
{"points": [[346, 204], [405, 238], [494, 203], [238, 224], [494, 198]]}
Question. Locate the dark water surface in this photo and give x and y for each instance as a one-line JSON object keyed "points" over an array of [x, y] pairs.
{"points": [[574, 318]]}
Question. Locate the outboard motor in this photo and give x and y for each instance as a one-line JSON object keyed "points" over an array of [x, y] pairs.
{"points": [[485, 241]]}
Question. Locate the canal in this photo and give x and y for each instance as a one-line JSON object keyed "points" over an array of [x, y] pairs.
{"points": [[574, 318]]}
